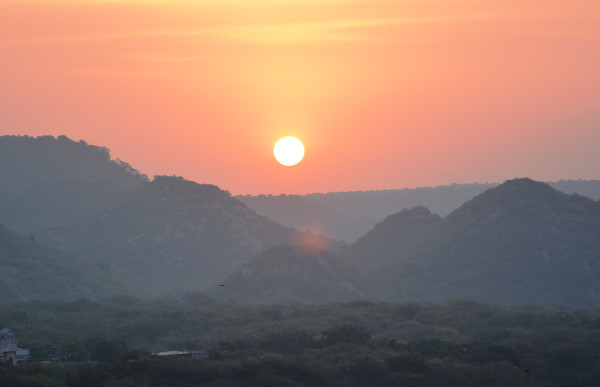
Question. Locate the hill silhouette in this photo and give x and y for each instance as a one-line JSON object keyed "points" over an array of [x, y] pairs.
{"points": [[349, 215], [27, 161], [167, 235], [48, 182], [522, 242]]}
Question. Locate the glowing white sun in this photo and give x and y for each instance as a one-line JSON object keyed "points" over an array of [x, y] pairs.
{"points": [[289, 151]]}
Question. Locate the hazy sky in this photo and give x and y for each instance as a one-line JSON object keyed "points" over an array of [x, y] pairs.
{"points": [[384, 94]]}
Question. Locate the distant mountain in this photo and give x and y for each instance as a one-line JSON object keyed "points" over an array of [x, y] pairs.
{"points": [[349, 215], [522, 242], [288, 274], [30, 270], [302, 213]]}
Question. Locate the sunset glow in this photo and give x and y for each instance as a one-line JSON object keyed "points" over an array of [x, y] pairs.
{"points": [[385, 94]]}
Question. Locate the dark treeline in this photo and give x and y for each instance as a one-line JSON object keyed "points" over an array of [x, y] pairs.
{"points": [[346, 344]]}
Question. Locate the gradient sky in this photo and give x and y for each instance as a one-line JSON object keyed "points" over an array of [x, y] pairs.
{"points": [[384, 94]]}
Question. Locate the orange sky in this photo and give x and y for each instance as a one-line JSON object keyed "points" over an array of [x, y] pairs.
{"points": [[384, 94]]}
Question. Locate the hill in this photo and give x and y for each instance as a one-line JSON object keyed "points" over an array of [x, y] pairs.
{"points": [[30, 270], [166, 235], [26, 161], [285, 274], [48, 182], [173, 235], [349, 215], [522, 242]]}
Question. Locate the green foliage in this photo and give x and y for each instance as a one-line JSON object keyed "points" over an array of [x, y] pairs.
{"points": [[30, 270], [288, 342], [345, 333], [333, 344]]}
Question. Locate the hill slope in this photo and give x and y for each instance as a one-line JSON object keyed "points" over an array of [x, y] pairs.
{"points": [[288, 274], [173, 235], [168, 235], [521, 242], [27, 161], [30, 270], [47, 182]]}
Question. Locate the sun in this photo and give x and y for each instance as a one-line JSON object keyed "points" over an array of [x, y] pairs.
{"points": [[288, 151]]}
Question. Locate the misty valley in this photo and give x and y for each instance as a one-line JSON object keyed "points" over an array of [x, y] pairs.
{"points": [[104, 270]]}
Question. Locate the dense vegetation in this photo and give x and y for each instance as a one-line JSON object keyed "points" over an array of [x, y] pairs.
{"points": [[290, 274], [350, 344], [30, 270]]}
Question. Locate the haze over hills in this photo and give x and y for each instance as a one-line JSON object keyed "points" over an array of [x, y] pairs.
{"points": [[349, 215], [521, 242], [167, 235], [173, 235]]}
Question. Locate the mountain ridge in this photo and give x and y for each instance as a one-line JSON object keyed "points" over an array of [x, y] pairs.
{"points": [[522, 240], [168, 235], [519, 242], [349, 215]]}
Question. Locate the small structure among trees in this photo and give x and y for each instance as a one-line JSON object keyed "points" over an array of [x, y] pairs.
{"points": [[8, 346]]}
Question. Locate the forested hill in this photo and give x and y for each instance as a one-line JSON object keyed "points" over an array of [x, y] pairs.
{"points": [[26, 161], [522, 242], [173, 235], [30, 270], [164, 236], [285, 274]]}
